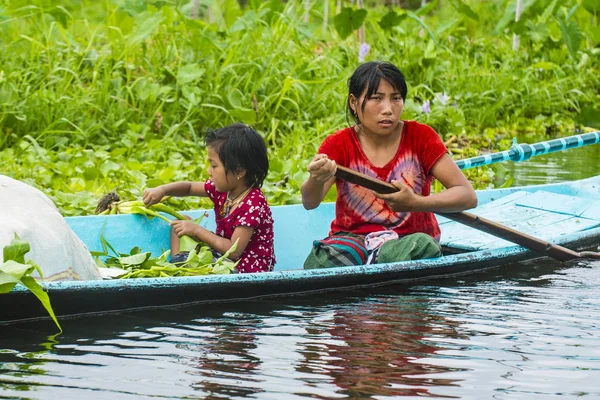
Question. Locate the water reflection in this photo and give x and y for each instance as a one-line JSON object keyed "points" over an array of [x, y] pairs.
{"points": [[377, 348], [579, 163], [226, 355]]}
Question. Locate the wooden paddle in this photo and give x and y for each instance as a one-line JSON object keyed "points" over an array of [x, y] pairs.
{"points": [[551, 250]]}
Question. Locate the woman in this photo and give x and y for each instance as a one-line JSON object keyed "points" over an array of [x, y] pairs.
{"points": [[389, 227]]}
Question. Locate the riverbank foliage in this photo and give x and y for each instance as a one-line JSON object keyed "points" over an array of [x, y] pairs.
{"points": [[118, 94]]}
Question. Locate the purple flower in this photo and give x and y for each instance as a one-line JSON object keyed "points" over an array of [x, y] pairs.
{"points": [[426, 107], [362, 52], [443, 99]]}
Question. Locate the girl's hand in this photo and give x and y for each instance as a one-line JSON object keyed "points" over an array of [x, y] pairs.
{"points": [[181, 228], [402, 201], [153, 196], [322, 168]]}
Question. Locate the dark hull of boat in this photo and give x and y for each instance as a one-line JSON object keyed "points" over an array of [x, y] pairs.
{"points": [[99, 297]]}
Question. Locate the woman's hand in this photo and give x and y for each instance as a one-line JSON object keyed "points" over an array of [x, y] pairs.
{"points": [[153, 196], [322, 168], [181, 228], [404, 200]]}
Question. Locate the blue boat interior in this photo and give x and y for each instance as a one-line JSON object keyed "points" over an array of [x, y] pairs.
{"points": [[547, 212]]}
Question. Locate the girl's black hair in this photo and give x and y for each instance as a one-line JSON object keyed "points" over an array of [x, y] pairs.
{"points": [[368, 76], [240, 147]]}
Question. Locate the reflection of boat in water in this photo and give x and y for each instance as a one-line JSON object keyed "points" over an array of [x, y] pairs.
{"points": [[380, 347], [565, 213]]}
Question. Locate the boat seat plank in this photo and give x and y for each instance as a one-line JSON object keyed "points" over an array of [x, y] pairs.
{"points": [[490, 207], [466, 238], [558, 203], [544, 215], [593, 212]]}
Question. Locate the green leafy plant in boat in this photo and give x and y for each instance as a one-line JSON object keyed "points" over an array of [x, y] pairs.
{"points": [[111, 203], [140, 264]]}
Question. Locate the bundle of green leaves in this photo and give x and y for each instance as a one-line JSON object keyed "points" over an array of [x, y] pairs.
{"points": [[140, 264]]}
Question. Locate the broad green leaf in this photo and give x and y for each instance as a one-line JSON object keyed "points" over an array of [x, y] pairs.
{"points": [[136, 259], [224, 268], [35, 288], [189, 73], [145, 26], [108, 166], [167, 174], [537, 32], [91, 174], [464, 9], [205, 256], [391, 19], [16, 250], [186, 243], [235, 98], [231, 11], [154, 182], [245, 115], [7, 281], [571, 35], [349, 20]]}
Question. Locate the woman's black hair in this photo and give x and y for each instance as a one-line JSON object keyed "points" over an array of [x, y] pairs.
{"points": [[240, 147], [368, 76]]}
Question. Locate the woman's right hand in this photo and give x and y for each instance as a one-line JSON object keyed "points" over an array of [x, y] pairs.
{"points": [[321, 168], [153, 195]]}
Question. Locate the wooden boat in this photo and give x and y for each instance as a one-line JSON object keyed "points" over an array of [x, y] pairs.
{"points": [[565, 213]]}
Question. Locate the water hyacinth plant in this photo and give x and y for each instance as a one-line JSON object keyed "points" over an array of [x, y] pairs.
{"points": [[95, 95], [140, 264], [15, 270], [111, 204]]}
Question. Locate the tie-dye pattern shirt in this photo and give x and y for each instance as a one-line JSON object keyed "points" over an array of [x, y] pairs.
{"points": [[357, 209], [253, 211]]}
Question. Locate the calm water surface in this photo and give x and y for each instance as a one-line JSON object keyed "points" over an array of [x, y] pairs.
{"points": [[562, 166], [529, 331]]}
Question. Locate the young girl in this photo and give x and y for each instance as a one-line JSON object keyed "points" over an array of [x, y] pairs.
{"points": [[238, 167], [382, 145]]}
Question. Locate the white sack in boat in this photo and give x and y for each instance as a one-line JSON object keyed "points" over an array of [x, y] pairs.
{"points": [[29, 213]]}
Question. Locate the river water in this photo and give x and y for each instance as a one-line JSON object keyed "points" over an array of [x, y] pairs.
{"points": [[528, 331]]}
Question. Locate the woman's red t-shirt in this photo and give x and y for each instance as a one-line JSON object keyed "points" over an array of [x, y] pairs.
{"points": [[357, 209]]}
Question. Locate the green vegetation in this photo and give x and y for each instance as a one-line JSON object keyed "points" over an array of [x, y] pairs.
{"points": [[97, 95], [15, 270], [140, 264]]}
